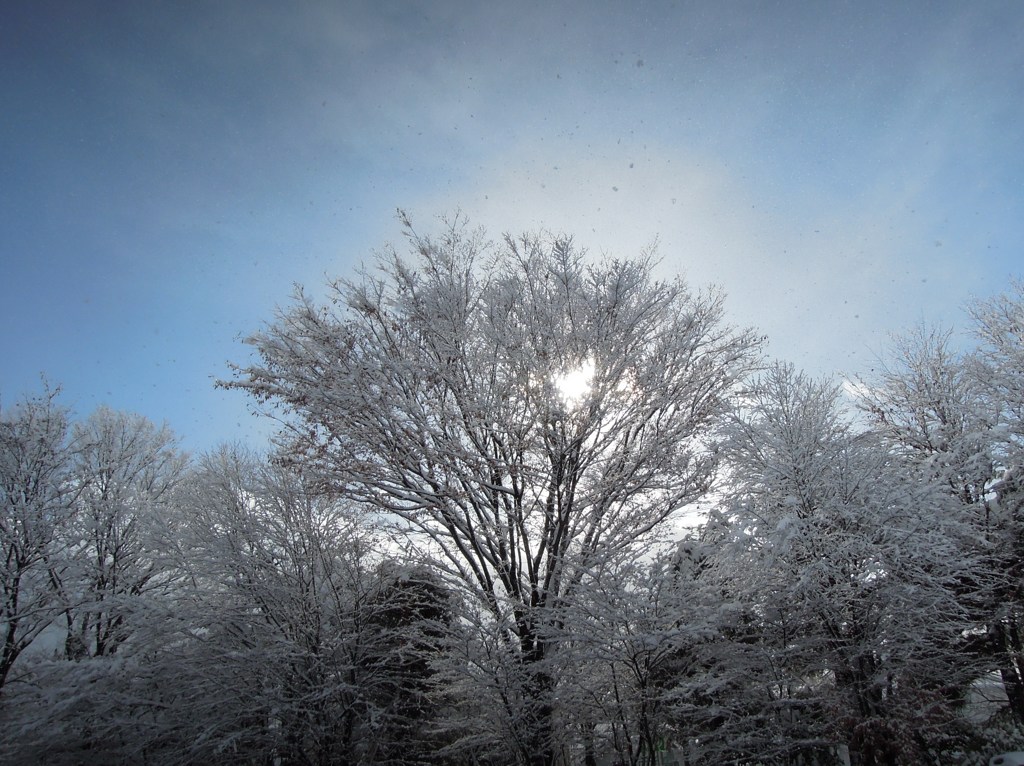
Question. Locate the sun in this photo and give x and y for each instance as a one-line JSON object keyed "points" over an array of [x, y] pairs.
{"points": [[574, 384]]}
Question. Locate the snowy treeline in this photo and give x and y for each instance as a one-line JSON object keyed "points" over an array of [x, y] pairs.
{"points": [[448, 557]]}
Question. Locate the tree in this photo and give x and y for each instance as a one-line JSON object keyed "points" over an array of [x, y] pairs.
{"points": [[409, 618], [310, 646], [927, 403], [276, 573], [107, 578], [629, 635], [431, 394], [852, 562], [125, 470], [999, 324], [283, 635], [36, 504], [950, 414]]}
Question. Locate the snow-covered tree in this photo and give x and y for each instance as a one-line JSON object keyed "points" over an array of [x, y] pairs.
{"points": [[950, 413], [308, 644], [409, 619], [852, 564], [274, 581], [999, 372], [125, 470], [437, 395], [628, 638], [111, 589], [281, 633], [926, 402], [36, 506], [999, 369]]}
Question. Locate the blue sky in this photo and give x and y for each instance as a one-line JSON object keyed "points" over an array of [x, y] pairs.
{"points": [[169, 169]]}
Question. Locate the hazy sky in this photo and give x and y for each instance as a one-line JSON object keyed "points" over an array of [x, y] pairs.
{"points": [[169, 169]]}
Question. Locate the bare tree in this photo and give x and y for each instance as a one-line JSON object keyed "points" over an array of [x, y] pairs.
{"points": [[434, 394]]}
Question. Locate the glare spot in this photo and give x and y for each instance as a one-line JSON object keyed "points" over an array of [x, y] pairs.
{"points": [[574, 384]]}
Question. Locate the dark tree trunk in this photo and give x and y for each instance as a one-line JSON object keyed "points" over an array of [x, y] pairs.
{"points": [[538, 730], [1007, 645]]}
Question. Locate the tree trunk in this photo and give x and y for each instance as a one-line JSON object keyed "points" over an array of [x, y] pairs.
{"points": [[1007, 646], [538, 731], [539, 725]]}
